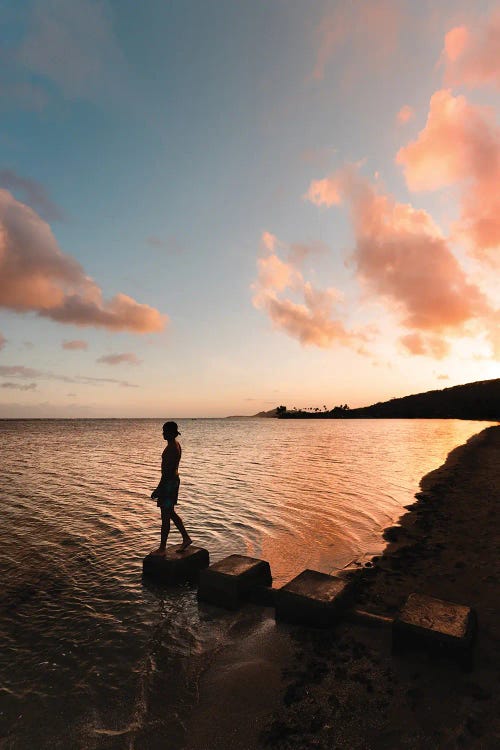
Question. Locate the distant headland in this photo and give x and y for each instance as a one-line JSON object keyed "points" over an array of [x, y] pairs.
{"points": [[479, 400]]}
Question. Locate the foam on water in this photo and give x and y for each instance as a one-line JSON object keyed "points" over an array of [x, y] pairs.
{"points": [[95, 657]]}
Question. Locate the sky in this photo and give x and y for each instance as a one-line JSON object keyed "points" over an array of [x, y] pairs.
{"points": [[214, 208]]}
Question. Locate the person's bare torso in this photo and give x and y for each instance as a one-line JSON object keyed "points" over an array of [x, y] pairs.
{"points": [[170, 460]]}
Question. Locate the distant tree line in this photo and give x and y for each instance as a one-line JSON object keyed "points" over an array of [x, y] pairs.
{"points": [[311, 412], [480, 400]]}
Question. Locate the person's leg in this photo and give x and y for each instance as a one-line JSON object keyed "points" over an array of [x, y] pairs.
{"points": [[165, 529], [186, 539]]}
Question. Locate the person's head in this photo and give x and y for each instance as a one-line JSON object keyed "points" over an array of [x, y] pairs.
{"points": [[170, 430]]}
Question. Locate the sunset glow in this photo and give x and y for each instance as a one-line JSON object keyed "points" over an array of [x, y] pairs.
{"points": [[211, 209]]}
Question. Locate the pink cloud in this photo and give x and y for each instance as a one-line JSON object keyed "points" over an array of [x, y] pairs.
{"points": [[330, 34], [318, 156], [455, 42], [24, 373], [269, 241], [299, 251], [75, 344], [19, 386], [304, 324], [18, 371], [33, 193], [460, 143], [324, 192], [414, 343], [401, 256], [459, 140], [405, 114], [311, 321], [118, 359], [35, 275], [274, 274], [369, 30], [472, 55], [428, 345]]}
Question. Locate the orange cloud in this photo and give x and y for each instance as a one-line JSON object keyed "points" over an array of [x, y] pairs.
{"points": [[75, 344], [275, 274], [405, 114], [459, 140], [428, 345], [472, 56], [2, 341], [36, 276], [401, 256], [118, 359], [324, 192], [311, 321], [309, 326], [460, 143], [369, 30], [269, 241]]}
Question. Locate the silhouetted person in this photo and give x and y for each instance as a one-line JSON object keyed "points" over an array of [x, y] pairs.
{"points": [[168, 489]]}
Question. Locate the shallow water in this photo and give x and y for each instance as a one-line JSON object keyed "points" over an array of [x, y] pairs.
{"points": [[94, 657]]}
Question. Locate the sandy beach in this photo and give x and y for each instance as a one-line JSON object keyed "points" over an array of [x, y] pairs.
{"points": [[348, 689]]}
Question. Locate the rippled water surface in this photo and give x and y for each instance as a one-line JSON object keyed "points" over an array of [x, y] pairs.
{"points": [[93, 656]]}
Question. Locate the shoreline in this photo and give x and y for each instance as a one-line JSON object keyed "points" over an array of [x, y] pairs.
{"points": [[345, 688], [284, 687]]}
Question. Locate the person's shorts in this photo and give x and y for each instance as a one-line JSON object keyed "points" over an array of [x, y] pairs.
{"points": [[168, 492]]}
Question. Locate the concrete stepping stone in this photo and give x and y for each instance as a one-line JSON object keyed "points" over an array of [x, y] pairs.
{"points": [[227, 582], [176, 567], [312, 598], [432, 620]]}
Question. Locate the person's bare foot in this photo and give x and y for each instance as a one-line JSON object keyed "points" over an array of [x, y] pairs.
{"points": [[160, 551], [185, 544]]}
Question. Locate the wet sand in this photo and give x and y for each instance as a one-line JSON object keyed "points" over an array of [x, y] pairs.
{"points": [[347, 688], [242, 685]]}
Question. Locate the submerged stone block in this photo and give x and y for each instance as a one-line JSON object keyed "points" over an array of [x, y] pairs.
{"points": [[227, 582], [175, 566], [425, 618], [312, 598]]}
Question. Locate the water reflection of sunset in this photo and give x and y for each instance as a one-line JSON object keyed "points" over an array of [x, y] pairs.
{"points": [[78, 520]]}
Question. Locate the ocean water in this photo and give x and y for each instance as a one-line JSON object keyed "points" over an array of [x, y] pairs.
{"points": [[95, 657]]}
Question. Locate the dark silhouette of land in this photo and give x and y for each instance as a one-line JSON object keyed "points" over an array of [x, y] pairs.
{"points": [[479, 400]]}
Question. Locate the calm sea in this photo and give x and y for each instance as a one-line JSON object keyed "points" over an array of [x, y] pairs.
{"points": [[95, 657]]}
